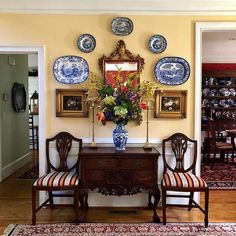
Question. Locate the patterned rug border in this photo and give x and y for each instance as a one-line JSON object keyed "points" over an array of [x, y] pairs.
{"points": [[217, 185], [120, 229], [223, 176]]}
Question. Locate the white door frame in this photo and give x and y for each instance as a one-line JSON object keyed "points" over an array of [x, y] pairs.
{"points": [[200, 28], [40, 50]]}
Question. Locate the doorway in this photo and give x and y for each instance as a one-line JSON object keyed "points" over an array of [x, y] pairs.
{"points": [[202, 27], [42, 117]]}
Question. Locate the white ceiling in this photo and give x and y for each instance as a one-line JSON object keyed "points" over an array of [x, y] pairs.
{"points": [[219, 47], [121, 6]]}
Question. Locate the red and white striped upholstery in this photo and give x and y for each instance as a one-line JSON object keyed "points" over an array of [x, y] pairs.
{"points": [[184, 180], [59, 179]]}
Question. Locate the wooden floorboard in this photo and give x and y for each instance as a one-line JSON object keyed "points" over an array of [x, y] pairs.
{"points": [[15, 208]]}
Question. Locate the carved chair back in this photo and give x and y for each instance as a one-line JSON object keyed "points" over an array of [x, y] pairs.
{"points": [[216, 131], [179, 144], [63, 142]]}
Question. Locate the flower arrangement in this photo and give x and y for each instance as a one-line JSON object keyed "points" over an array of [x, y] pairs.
{"points": [[124, 99]]}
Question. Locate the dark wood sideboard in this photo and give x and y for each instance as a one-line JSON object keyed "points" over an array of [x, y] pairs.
{"points": [[119, 173]]}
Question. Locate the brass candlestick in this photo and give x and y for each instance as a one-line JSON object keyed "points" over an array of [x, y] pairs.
{"points": [[147, 145], [93, 143]]}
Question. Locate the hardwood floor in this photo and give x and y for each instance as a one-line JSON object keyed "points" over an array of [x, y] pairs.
{"points": [[15, 208]]}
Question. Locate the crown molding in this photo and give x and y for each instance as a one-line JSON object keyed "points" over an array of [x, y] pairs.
{"points": [[219, 59], [187, 7]]}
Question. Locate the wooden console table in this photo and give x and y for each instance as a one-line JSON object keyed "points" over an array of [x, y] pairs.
{"points": [[120, 173]]}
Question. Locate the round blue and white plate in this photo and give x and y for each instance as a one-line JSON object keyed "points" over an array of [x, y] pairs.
{"points": [[86, 43], [172, 71], [70, 69], [157, 43], [121, 26]]}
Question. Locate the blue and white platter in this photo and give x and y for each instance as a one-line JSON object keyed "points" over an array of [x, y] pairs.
{"points": [[157, 43], [86, 43], [70, 69], [121, 26], [172, 71]]}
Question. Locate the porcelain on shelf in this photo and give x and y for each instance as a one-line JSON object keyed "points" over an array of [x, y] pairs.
{"points": [[121, 26], [230, 102], [172, 71], [205, 102], [206, 92], [70, 69], [86, 43], [232, 92], [224, 103], [214, 103], [218, 114], [214, 92], [157, 43], [224, 81], [224, 92]]}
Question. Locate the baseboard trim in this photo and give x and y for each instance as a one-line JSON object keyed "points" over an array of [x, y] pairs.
{"points": [[14, 166]]}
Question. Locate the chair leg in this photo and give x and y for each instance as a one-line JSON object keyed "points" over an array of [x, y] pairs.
{"points": [[190, 201], [76, 205], [206, 207], [164, 206], [51, 199], [33, 206], [213, 161]]}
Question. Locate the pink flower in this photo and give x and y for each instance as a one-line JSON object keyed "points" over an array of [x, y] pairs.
{"points": [[100, 116], [124, 89]]}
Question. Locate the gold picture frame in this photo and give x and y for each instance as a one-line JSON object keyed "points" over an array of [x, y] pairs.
{"points": [[71, 103], [170, 104], [121, 59]]}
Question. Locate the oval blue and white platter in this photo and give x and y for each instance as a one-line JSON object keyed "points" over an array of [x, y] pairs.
{"points": [[157, 43], [121, 26], [172, 70], [86, 43], [70, 69]]}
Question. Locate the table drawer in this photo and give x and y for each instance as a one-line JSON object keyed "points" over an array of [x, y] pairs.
{"points": [[144, 176], [100, 163], [119, 177], [136, 163], [94, 176]]}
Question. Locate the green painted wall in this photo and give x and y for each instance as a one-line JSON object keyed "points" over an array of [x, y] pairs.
{"points": [[14, 126]]}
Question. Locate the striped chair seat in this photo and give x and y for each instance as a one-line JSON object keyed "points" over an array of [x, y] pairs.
{"points": [[184, 180], [58, 179]]}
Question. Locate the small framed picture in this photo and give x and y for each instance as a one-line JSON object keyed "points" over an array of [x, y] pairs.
{"points": [[170, 104], [71, 103]]}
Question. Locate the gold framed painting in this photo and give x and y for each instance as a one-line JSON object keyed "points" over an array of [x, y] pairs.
{"points": [[71, 103], [170, 104]]}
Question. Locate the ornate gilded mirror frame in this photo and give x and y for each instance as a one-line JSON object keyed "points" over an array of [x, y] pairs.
{"points": [[120, 59]]}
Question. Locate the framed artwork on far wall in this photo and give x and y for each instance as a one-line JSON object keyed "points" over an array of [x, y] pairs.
{"points": [[170, 104], [71, 103]]}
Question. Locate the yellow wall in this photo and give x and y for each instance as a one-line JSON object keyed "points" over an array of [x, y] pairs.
{"points": [[59, 33]]}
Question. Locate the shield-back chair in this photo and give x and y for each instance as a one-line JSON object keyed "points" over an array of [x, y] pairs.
{"points": [[178, 178], [60, 176], [218, 142]]}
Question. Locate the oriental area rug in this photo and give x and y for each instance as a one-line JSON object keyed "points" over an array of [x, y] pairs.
{"points": [[223, 175], [144, 229]]}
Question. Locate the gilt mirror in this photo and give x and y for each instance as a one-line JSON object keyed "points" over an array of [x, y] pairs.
{"points": [[120, 59]]}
